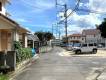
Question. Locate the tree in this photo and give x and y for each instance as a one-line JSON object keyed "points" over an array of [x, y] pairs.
{"points": [[44, 35], [48, 36], [102, 28]]}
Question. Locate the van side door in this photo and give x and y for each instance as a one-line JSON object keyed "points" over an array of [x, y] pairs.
{"points": [[84, 48]]}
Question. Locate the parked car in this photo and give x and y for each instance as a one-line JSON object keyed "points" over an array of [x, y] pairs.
{"points": [[84, 48], [63, 45], [69, 47], [100, 46]]}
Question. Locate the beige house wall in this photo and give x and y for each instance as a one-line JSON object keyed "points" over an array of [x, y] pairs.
{"points": [[12, 34], [24, 40], [0, 41], [3, 6], [5, 25], [5, 40]]}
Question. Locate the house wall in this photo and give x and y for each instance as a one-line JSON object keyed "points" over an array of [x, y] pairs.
{"points": [[93, 38], [5, 25], [24, 40], [3, 6], [0, 41], [80, 39], [5, 40]]}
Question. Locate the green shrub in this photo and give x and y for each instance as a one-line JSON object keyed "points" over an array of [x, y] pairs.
{"points": [[17, 45], [24, 53], [3, 77]]}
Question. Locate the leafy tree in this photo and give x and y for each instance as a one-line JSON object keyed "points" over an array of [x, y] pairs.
{"points": [[40, 35], [48, 36], [102, 28], [44, 35]]}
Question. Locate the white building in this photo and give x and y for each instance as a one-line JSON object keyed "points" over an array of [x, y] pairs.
{"points": [[92, 35]]}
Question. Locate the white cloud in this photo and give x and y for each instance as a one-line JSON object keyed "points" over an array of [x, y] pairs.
{"points": [[38, 5], [62, 2], [98, 5], [21, 20], [80, 22]]}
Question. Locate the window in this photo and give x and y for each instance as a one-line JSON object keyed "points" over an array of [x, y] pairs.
{"points": [[0, 6], [90, 44], [84, 45], [95, 44]]}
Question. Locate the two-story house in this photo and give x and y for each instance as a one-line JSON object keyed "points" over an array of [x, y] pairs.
{"points": [[76, 38], [92, 35]]}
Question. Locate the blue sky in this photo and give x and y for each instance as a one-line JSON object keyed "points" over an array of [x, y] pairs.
{"points": [[39, 15]]}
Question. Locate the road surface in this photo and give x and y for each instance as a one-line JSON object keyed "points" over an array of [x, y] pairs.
{"points": [[53, 66]]}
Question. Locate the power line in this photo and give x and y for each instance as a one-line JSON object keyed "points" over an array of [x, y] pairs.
{"points": [[76, 7], [91, 11]]}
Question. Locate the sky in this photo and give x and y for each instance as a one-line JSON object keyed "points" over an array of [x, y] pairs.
{"points": [[40, 15]]}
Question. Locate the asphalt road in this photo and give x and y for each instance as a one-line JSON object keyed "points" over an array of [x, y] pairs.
{"points": [[53, 66]]}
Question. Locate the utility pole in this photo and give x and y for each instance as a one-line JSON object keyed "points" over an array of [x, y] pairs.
{"points": [[52, 29], [65, 15], [59, 33]]}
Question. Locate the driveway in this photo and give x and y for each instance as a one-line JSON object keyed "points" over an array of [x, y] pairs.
{"points": [[56, 66]]}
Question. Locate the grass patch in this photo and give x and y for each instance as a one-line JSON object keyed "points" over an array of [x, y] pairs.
{"points": [[3, 77]]}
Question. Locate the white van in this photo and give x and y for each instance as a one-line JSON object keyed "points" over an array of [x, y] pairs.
{"points": [[85, 48]]}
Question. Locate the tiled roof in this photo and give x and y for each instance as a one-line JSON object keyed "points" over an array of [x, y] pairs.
{"points": [[90, 32]]}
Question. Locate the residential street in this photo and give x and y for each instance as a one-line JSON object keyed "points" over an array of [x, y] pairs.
{"points": [[55, 66]]}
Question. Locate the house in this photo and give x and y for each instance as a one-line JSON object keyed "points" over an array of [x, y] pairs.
{"points": [[76, 38], [10, 30], [33, 41], [92, 35]]}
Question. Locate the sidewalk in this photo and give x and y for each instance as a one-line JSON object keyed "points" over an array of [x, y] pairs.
{"points": [[102, 76], [22, 66]]}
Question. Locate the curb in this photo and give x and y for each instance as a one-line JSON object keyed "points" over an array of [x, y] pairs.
{"points": [[22, 66]]}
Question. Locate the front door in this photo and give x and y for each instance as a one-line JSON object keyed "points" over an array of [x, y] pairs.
{"points": [[4, 39]]}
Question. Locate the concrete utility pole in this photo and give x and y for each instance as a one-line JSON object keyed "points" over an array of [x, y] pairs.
{"points": [[65, 21], [65, 15], [52, 29]]}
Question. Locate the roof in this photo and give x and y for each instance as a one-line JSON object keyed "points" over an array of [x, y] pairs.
{"points": [[91, 32], [75, 35], [14, 22], [32, 37]]}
